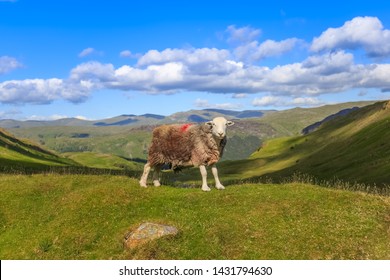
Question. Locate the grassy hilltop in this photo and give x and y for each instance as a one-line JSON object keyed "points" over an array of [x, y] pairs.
{"points": [[87, 217]]}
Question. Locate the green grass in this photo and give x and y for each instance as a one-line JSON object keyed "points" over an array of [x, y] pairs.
{"points": [[122, 141], [16, 154], [98, 160], [87, 217]]}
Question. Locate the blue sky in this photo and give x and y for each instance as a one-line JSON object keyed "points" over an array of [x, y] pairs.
{"points": [[98, 59]]}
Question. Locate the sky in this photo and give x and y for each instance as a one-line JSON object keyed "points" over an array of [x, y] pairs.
{"points": [[100, 59]]}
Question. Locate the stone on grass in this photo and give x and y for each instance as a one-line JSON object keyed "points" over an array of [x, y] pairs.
{"points": [[147, 232]]}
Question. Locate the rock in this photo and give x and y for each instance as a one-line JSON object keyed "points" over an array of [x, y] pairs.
{"points": [[147, 232]]}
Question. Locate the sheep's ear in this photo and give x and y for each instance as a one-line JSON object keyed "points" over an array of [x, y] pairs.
{"points": [[229, 123], [210, 124]]}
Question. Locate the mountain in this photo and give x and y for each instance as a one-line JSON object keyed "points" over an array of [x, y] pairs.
{"points": [[353, 147], [135, 120]]}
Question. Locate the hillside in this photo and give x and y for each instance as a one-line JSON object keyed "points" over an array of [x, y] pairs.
{"points": [[293, 121], [354, 148], [16, 154], [87, 217]]}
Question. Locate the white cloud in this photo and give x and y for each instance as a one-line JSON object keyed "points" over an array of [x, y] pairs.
{"points": [[254, 51], [240, 95], [89, 51], [360, 32], [82, 118], [211, 70], [129, 54], [307, 101], [203, 103], [46, 118], [93, 71], [283, 101], [266, 101], [52, 117], [40, 91], [243, 34], [125, 53], [316, 75], [203, 61], [227, 106], [7, 64]]}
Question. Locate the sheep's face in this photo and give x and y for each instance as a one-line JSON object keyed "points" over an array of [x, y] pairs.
{"points": [[218, 127]]}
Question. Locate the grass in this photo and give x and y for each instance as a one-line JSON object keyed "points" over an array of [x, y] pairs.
{"points": [[86, 217], [98, 160]]}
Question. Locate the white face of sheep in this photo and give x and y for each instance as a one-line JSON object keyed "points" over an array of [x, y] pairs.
{"points": [[218, 127]]}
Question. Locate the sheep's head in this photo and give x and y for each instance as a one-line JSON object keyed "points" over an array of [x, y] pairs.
{"points": [[218, 127]]}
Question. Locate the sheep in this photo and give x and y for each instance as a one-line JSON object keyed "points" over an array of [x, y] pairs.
{"points": [[187, 145]]}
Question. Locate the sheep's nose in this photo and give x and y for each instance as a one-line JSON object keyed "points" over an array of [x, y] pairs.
{"points": [[220, 134]]}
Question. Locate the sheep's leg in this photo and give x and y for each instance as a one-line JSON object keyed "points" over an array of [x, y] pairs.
{"points": [[144, 177], [203, 172], [218, 184], [156, 176]]}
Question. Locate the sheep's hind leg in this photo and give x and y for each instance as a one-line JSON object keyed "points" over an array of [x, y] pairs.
{"points": [[156, 176], [203, 172], [144, 177], [218, 184]]}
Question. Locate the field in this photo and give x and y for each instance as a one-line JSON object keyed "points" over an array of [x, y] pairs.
{"points": [[49, 216]]}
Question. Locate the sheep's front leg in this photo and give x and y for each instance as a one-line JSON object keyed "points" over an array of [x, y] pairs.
{"points": [[144, 177], [218, 184], [203, 172], [156, 176]]}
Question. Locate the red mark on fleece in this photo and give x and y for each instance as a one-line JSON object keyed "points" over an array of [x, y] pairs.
{"points": [[184, 127]]}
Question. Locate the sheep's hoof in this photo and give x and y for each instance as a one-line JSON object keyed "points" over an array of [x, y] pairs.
{"points": [[142, 184], [206, 188], [220, 187], [156, 183]]}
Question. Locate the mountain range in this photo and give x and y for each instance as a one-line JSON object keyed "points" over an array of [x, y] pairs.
{"points": [[128, 135], [139, 120]]}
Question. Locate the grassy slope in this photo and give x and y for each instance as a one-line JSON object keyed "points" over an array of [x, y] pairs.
{"points": [[86, 217], [16, 153], [291, 122], [352, 148], [98, 160], [122, 141]]}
